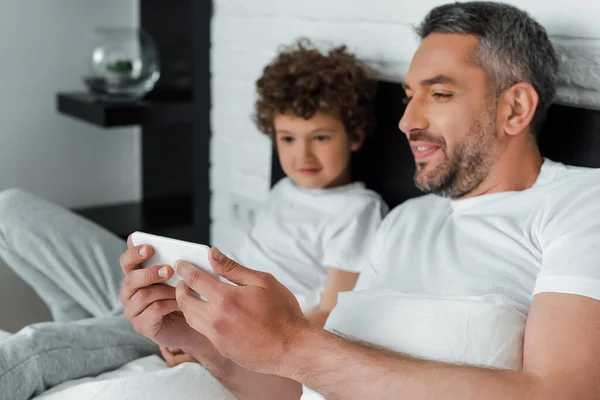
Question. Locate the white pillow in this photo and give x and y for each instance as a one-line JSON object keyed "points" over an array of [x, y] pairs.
{"points": [[472, 330]]}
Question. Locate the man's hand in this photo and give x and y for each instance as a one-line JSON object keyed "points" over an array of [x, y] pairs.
{"points": [[150, 306], [255, 324], [152, 309]]}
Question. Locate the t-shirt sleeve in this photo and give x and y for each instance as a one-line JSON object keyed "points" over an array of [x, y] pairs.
{"points": [[348, 240], [571, 244], [368, 272]]}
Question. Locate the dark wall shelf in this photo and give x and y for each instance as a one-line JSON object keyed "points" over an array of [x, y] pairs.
{"points": [[155, 109], [149, 216], [175, 127]]}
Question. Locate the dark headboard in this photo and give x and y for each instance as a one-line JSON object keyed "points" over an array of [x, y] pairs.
{"points": [[385, 163]]}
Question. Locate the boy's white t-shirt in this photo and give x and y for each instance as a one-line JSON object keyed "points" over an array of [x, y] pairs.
{"points": [[299, 233], [509, 245]]}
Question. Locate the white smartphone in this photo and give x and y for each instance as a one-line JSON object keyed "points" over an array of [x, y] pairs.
{"points": [[168, 250]]}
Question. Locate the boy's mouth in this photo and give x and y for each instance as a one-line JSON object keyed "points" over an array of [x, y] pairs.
{"points": [[308, 170]]}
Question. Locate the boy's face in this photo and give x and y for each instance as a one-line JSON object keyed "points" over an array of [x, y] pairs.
{"points": [[314, 153]]}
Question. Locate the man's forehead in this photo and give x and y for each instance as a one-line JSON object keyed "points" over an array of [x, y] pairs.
{"points": [[445, 57]]}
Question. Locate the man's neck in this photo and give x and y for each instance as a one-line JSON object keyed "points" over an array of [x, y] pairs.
{"points": [[517, 169]]}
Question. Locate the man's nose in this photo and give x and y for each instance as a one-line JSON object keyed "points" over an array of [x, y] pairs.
{"points": [[414, 118]]}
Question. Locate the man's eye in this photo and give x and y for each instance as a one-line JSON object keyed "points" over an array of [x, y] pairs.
{"points": [[286, 139], [406, 100], [442, 95]]}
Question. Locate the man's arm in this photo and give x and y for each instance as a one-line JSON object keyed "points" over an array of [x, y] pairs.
{"points": [[561, 361], [259, 325], [243, 383]]}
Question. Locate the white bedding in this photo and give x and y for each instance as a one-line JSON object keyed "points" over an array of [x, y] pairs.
{"points": [[483, 331], [4, 335], [148, 378], [486, 331]]}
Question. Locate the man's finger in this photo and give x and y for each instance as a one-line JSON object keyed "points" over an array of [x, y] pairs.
{"points": [[134, 256], [148, 322], [198, 280], [235, 272], [195, 310], [145, 297], [163, 307], [141, 278]]}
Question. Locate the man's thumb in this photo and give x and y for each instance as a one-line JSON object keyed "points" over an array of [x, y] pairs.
{"points": [[233, 271]]}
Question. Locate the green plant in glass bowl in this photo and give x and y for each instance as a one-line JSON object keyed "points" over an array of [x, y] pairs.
{"points": [[124, 64]]}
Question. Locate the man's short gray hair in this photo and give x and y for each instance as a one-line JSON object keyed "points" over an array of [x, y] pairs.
{"points": [[513, 47]]}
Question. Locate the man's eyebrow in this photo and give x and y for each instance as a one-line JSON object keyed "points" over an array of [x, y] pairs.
{"points": [[440, 79]]}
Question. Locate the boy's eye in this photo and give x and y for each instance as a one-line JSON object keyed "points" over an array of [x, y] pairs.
{"points": [[322, 138], [286, 139]]}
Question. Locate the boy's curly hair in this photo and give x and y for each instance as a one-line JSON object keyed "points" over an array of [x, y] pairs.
{"points": [[301, 80]]}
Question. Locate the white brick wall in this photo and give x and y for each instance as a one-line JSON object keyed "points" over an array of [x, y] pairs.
{"points": [[246, 34]]}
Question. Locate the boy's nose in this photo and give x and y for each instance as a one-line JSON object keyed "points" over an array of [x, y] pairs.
{"points": [[305, 152]]}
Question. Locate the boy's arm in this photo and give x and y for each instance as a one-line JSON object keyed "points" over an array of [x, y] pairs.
{"points": [[337, 281]]}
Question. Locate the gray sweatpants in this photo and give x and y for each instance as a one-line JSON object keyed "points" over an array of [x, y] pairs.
{"points": [[73, 265]]}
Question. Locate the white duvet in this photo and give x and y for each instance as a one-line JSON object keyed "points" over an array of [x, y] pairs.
{"points": [[148, 378], [484, 331]]}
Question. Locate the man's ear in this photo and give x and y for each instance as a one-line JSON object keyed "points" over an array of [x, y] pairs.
{"points": [[516, 108], [357, 140]]}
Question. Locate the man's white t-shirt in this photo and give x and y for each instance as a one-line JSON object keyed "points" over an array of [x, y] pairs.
{"points": [[459, 276], [511, 245], [299, 233]]}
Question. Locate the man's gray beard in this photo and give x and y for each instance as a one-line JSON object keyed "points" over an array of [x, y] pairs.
{"points": [[470, 164]]}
